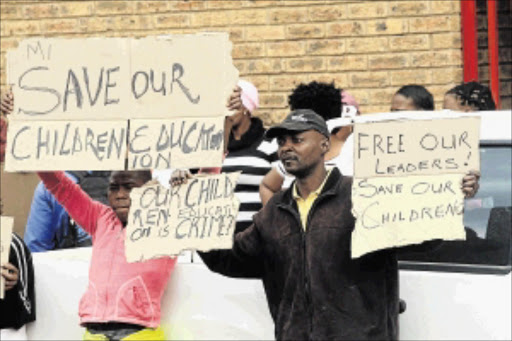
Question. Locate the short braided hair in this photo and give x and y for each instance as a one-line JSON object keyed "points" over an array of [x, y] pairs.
{"points": [[475, 95]]}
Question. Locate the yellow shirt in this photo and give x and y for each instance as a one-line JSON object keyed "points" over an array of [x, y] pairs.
{"points": [[304, 205]]}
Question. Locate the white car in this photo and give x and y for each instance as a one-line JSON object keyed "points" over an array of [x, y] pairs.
{"points": [[461, 291]]}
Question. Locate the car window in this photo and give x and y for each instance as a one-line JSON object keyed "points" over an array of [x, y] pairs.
{"points": [[487, 218]]}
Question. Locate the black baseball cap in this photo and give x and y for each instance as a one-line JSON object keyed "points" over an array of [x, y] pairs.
{"points": [[297, 121]]}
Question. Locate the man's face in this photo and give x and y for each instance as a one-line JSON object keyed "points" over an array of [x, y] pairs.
{"points": [[120, 186], [301, 152], [402, 103]]}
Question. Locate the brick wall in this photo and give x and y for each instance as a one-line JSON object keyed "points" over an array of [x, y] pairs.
{"points": [[368, 47]]}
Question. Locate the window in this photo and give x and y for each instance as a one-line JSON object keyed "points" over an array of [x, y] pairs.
{"points": [[487, 220]]}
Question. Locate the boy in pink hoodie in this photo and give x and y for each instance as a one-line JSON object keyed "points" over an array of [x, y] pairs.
{"points": [[122, 300]]}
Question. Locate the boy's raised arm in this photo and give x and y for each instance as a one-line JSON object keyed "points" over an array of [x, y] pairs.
{"points": [[77, 203]]}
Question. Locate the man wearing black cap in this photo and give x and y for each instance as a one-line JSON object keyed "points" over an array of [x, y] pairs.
{"points": [[299, 245]]}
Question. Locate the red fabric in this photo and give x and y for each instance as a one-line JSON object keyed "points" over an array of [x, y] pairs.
{"points": [[118, 291]]}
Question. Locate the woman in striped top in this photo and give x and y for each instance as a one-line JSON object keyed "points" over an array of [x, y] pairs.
{"points": [[249, 153]]}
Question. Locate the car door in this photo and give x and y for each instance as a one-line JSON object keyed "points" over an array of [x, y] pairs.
{"points": [[462, 290]]}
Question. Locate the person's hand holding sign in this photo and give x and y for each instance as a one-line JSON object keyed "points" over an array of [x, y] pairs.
{"points": [[234, 104], [235, 100], [10, 274], [470, 183], [180, 177], [7, 103]]}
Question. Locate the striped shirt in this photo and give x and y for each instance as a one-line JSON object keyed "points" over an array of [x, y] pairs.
{"points": [[253, 156], [254, 162]]}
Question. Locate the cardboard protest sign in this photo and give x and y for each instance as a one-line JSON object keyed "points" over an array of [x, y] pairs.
{"points": [[162, 144], [110, 78], [69, 145], [64, 87], [419, 147], [407, 180], [6, 224], [401, 211], [198, 215]]}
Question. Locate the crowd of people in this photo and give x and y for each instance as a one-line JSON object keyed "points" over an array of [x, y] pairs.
{"points": [[293, 229]]}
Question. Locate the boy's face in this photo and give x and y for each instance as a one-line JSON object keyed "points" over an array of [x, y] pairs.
{"points": [[120, 186]]}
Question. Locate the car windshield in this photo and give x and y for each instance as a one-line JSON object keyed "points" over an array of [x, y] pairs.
{"points": [[487, 217]]}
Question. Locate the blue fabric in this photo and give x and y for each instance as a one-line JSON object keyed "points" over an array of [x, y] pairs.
{"points": [[48, 222]]}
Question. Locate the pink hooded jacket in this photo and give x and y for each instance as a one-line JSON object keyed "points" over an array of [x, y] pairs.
{"points": [[118, 291]]}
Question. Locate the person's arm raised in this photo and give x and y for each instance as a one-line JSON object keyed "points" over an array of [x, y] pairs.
{"points": [[77, 203]]}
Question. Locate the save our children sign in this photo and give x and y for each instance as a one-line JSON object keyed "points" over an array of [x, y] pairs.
{"points": [[87, 103], [407, 178]]}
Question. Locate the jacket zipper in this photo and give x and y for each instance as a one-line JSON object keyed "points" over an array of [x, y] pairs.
{"points": [[307, 289]]}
